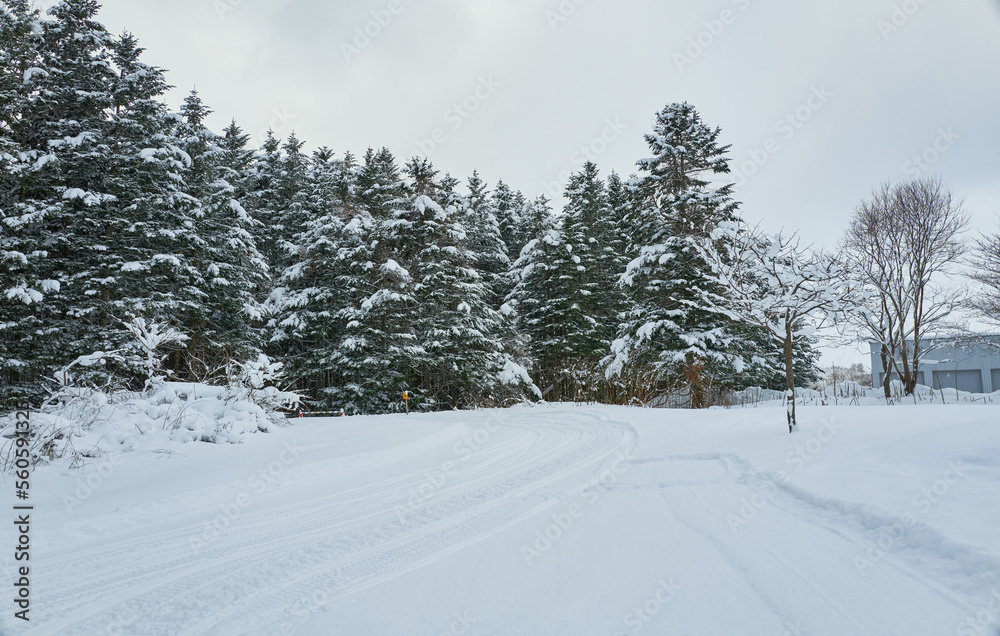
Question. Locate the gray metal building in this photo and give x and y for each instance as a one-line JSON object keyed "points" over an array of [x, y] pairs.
{"points": [[972, 366]]}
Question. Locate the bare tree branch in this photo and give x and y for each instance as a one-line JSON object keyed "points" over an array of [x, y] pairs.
{"points": [[986, 263]]}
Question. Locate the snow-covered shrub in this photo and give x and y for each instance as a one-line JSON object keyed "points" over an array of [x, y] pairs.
{"points": [[256, 381], [515, 380], [81, 420], [148, 342], [81, 423]]}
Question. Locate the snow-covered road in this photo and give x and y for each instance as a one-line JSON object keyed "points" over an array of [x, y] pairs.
{"points": [[546, 520]]}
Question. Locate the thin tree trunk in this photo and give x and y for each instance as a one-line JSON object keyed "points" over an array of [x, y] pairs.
{"points": [[912, 386], [908, 380], [789, 375], [695, 383], [886, 378]]}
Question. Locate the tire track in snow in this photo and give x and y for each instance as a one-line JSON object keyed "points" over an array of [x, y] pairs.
{"points": [[737, 561], [838, 528], [203, 498], [129, 578], [268, 566], [362, 502], [856, 523], [455, 533]]}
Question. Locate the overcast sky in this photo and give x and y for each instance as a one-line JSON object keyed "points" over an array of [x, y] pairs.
{"points": [[820, 101]]}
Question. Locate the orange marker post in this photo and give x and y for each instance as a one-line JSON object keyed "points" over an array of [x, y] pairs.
{"points": [[406, 401]]}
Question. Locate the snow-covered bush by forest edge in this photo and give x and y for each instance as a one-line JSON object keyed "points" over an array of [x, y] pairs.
{"points": [[81, 420]]}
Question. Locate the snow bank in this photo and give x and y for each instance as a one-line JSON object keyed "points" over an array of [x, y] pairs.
{"points": [[86, 422]]}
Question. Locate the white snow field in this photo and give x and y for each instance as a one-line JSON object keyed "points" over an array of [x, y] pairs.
{"points": [[552, 519]]}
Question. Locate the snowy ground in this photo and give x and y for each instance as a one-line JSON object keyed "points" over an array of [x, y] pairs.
{"points": [[543, 520]]}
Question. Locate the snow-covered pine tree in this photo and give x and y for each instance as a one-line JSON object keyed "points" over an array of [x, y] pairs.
{"points": [[237, 166], [225, 324], [65, 122], [265, 204], [486, 241], [279, 201], [507, 206], [603, 225], [534, 220], [542, 301], [460, 335], [346, 189], [606, 227], [236, 160], [379, 184], [515, 382], [566, 296], [109, 208], [511, 238], [295, 204], [668, 337], [296, 187], [26, 173], [313, 293], [620, 221], [423, 177], [374, 362], [151, 231], [326, 175], [619, 242]]}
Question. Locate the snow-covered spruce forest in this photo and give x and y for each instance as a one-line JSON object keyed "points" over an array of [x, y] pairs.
{"points": [[363, 276]]}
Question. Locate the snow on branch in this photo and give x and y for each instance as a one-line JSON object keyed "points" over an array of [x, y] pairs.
{"points": [[773, 282], [151, 338]]}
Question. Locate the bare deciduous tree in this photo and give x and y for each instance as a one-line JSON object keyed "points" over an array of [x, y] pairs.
{"points": [[986, 270], [899, 246], [870, 251]]}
